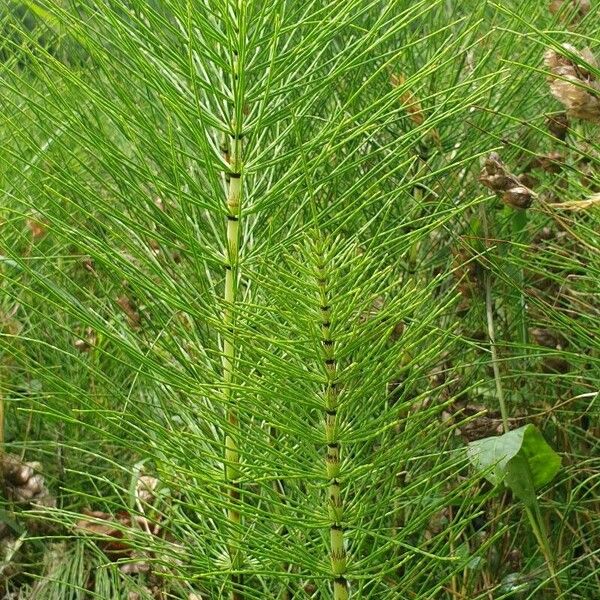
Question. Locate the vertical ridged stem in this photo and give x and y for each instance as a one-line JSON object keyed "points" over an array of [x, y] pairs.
{"points": [[232, 150], [332, 458]]}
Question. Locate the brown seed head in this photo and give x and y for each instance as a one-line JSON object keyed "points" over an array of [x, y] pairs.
{"points": [[81, 345], [549, 163], [88, 342], [547, 338], [498, 178], [528, 180], [37, 228], [515, 559], [22, 482], [543, 235], [495, 175], [558, 125], [88, 264], [130, 309], [582, 7], [572, 84], [146, 488], [518, 197], [409, 100]]}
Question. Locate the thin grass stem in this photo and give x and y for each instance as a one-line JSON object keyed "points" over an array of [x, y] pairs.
{"points": [[489, 311]]}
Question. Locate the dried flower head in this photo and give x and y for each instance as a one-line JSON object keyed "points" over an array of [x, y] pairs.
{"points": [[498, 178], [518, 197], [547, 338], [129, 308], [146, 489], [495, 175], [37, 227], [515, 559], [409, 100], [107, 530], [558, 125], [573, 84], [543, 235], [412, 105], [552, 162], [528, 180], [581, 7], [468, 273], [22, 481], [555, 364], [85, 344], [88, 264]]}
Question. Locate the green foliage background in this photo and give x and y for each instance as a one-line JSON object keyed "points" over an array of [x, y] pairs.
{"points": [[114, 115]]}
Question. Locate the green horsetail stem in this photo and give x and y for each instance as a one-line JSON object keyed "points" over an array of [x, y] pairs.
{"points": [[232, 150], [337, 550]]}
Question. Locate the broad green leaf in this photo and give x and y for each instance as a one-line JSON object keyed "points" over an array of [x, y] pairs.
{"points": [[494, 457], [518, 479], [543, 462]]}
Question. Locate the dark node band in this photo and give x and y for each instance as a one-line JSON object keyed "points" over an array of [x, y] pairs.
{"points": [[330, 361], [232, 218], [325, 307], [326, 324], [234, 175], [327, 342], [334, 446], [331, 412]]}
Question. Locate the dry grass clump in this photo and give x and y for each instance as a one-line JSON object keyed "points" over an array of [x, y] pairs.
{"points": [[579, 205], [573, 84]]}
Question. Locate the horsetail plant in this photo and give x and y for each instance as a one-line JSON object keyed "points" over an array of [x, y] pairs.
{"points": [[233, 141], [332, 427], [255, 230]]}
